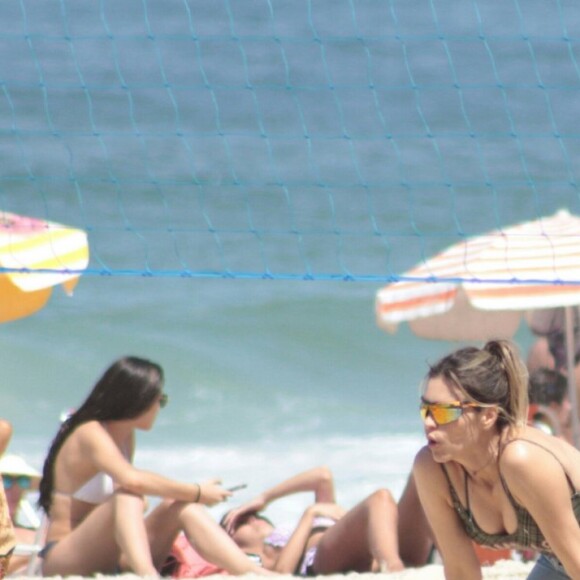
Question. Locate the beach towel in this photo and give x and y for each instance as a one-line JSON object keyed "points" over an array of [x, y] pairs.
{"points": [[185, 562]]}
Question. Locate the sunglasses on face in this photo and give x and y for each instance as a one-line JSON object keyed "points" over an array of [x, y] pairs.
{"points": [[23, 481], [243, 520], [163, 400], [444, 413]]}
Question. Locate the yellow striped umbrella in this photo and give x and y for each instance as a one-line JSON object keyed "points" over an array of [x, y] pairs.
{"points": [[36, 255], [479, 288]]}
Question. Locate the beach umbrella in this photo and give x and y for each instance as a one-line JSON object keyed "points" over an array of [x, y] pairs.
{"points": [[480, 287], [36, 255]]}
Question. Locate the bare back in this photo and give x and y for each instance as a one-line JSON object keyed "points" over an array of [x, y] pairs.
{"points": [[78, 461]]}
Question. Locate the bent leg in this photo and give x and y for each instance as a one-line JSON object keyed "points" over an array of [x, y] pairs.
{"points": [[365, 534], [414, 532], [95, 545], [207, 537]]}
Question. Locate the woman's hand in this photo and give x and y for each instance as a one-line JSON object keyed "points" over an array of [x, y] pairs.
{"points": [[211, 492], [252, 506]]}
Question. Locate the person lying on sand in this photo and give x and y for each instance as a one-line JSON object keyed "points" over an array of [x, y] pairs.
{"points": [[95, 498], [327, 539]]}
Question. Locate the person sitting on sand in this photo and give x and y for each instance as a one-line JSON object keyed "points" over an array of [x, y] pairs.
{"points": [[327, 539], [95, 498], [7, 537], [19, 478], [486, 476]]}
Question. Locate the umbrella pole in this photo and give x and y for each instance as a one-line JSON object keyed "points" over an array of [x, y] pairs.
{"points": [[572, 393]]}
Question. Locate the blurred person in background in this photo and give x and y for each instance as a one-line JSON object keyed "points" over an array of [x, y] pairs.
{"points": [[19, 478], [550, 408], [7, 538]]}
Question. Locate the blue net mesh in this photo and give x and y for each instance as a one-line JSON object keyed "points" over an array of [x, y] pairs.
{"points": [[340, 140]]}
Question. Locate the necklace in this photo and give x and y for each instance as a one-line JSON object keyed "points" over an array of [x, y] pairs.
{"points": [[473, 473]]}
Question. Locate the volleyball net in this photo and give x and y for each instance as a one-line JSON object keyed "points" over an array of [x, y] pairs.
{"points": [[331, 140]]}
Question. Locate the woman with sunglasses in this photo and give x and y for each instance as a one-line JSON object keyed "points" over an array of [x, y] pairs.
{"points": [[327, 538], [95, 498], [19, 478], [485, 476]]}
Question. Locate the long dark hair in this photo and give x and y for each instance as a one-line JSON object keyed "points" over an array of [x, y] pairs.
{"points": [[126, 390]]}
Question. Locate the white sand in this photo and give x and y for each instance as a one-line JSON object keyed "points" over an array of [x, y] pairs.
{"points": [[508, 570]]}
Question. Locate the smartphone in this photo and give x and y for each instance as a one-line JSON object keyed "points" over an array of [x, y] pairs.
{"points": [[237, 487]]}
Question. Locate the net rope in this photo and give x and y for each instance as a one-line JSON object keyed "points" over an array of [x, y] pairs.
{"points": [[307, 140]]}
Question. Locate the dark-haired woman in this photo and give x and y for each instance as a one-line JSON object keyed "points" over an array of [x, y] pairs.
{"points": [[94, 496], [327, 539], [486, 476]]}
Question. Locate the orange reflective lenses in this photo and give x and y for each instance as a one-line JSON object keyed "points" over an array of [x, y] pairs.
{"points": [[444, 413]]}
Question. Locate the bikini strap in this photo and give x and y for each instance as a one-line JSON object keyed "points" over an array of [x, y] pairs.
{"points": [[454, 496], [502, 448]]}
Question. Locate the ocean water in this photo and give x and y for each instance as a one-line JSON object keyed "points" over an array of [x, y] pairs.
{"points": [[207, 147]]}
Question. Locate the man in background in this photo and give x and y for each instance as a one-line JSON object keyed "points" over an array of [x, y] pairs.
{"points": [[550, 408]]}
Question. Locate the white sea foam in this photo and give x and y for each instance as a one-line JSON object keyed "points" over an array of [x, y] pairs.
{"points": [[360, 465]]}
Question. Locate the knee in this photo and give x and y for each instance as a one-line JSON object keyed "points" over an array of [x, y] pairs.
{"points": [[123, 499], [5, 434], [382, 499], [183, 509], [193, 508]]}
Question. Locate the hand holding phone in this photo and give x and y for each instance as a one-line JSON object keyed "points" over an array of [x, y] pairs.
{"points": [[237, 487]]}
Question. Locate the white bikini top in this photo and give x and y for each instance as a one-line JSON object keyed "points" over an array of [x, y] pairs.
{"points": [[97, 490]]}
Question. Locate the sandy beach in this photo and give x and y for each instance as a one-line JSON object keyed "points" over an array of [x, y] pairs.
{"points": [[508, 570]]}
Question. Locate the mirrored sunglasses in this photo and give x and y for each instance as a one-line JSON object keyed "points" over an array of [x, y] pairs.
{"points": [[23, 481], [444, 413]]}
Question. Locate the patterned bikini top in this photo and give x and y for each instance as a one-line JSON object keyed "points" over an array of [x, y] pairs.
{"points": [[527, 534]]}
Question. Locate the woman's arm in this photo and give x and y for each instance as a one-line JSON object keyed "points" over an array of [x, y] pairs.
{"points": [[459, 559], [96, 445], [5, 434], [537, 481], [319, 480], [291, 554]]}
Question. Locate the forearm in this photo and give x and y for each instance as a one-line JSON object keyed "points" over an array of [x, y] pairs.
{"points": [[292, 553], [143, 482], [453, 572], [318, 480]]}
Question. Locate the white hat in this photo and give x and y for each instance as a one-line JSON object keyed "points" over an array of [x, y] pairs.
{"points": [[15, 465]]}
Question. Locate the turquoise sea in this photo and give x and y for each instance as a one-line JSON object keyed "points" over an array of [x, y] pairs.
{"points": [[249, 174]]}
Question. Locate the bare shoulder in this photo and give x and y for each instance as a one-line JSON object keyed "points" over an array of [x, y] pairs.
{"points": [[423, 459], [535, 452], [90, 427], [427, 471], [87, 433]]}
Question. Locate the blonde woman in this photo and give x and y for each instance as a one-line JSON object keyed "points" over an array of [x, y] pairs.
{"points": [[486, 476]]}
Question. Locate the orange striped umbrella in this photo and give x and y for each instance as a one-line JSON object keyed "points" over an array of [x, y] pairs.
{"points": [[36, 255], [479, 288]]}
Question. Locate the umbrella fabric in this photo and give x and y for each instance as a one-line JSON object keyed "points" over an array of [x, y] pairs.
{"points": [[478, 288], [36, 256]]}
